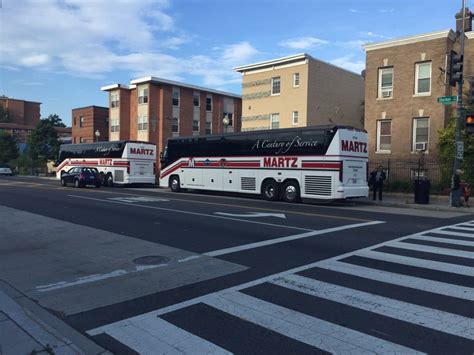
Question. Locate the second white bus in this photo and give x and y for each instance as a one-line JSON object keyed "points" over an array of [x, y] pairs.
{"points": [[321, 162]]}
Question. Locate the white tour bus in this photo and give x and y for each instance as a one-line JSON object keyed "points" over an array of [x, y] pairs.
{"points": [[119, 162], [320, 162]]}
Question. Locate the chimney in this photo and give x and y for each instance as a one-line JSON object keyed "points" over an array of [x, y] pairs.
{"points": [[467, 21]]}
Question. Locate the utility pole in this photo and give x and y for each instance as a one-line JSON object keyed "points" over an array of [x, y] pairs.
{"points": [[459, 143]]}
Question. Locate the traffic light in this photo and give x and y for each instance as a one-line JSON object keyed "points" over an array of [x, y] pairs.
{"points": [[470, 93], [470, 123], [455, 68]]}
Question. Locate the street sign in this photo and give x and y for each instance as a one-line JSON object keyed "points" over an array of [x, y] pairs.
{"points": [[447, 100], [460, 150]]}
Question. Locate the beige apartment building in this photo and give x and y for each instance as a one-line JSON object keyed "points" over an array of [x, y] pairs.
{"points": [[404, 79], [153, 109], [299, 91]]}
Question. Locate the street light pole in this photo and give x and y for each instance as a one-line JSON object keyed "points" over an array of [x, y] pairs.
{"points": [[457, 160]]}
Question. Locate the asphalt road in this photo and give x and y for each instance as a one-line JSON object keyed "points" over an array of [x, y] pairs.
{"points": [[229, 273]]}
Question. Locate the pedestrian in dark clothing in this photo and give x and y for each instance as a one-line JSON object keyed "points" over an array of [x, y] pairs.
{"points": [[376, 180], [456, 188]]}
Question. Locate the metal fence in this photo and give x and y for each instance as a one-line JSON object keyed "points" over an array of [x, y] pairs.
{"points": [[405, 171]]}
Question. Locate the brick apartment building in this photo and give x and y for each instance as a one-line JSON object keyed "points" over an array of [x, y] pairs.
{"points": [[152, 109], [87, 122], [404, 78], [299, 91], [25, 115]]}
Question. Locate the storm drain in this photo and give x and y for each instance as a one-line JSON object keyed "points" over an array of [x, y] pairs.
{"points": [[151, 260]]}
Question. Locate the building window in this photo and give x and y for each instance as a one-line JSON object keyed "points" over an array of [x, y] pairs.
{"points": [[114, 100], [175, 97], [196, 125], [421, 130], [423, 78], [143, 123], [295, 117], [81, 121], [209, 104], [384, 136], [114, 125], [143, 96], [175, 126], [208, 127], [385, 83], [82, 140], [229, 117], [276, 85], [296, 80], [274, 121], [196, 99]]}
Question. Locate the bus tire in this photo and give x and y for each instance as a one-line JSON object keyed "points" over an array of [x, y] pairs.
{"points": [[270, 190], [102, 178], [109, 180], [175, 184], [291, 191]]}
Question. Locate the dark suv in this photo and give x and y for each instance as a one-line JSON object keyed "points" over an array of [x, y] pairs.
{"points": [[81, 177]]}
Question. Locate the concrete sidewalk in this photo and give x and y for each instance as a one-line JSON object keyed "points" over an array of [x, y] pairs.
{"points": [[26, 328]]}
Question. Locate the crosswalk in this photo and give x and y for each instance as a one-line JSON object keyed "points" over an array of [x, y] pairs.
{"points": [[411, 295]]}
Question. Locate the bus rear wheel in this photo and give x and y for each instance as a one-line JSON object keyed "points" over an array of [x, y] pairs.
{"points": [[291, 191], [109, 180], [175, 183], [270, 190]]}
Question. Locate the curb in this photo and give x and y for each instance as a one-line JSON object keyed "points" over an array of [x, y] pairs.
{"points": [[44, 331]]}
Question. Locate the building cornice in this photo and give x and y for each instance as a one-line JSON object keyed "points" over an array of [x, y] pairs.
{"points": [[91, 106], [411, 39], [273, 62], [152, 79], [115, 87]]}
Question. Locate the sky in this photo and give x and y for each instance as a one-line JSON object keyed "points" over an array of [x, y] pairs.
{"points": [[61, 52]]}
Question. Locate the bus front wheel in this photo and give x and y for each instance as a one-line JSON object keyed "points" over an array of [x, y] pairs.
{"points": [[291, 191], [270, 190], [175, 184]]}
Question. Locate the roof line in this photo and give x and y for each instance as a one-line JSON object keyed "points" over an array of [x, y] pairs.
{"points": [[449, 33]]}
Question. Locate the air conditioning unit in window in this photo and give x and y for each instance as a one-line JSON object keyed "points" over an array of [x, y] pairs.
{"points": [[421, 146], [386, 94]]}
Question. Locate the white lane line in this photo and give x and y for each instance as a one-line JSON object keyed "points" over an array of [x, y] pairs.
{"points": [[189, 212], [269, 278], [422, 263], [287, 239], [444, 240], [304, 328], [417, 283], [427, 317], [157, 336], [431, 249]]}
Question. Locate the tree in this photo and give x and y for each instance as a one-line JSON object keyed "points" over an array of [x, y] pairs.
{"points": [[5, 115], [8, 148], [55, 120], [447, 146], [43, 144]]}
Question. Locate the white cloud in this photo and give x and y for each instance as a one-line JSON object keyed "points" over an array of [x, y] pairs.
{"points": [[387, 10], [354, 11], [302, 43], [353, 44], [93, 39], [347, 62]]}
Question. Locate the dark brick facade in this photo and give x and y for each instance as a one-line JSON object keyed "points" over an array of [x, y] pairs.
{"points": [[94, 118]]}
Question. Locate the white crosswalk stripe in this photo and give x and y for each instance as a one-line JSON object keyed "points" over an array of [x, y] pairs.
{"points": [[148, 332]]}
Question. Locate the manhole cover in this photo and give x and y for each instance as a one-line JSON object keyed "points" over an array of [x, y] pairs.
{"points": [[151, 260]]}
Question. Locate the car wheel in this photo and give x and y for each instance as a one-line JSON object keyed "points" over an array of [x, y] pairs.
{"points": [[175, 183], [63, 182], [109, 180], [77, 184], [291, 191], [270, 190]]}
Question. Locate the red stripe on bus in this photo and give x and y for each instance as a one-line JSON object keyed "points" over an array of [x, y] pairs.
{"points": [[180, 165], [321, 165]]}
